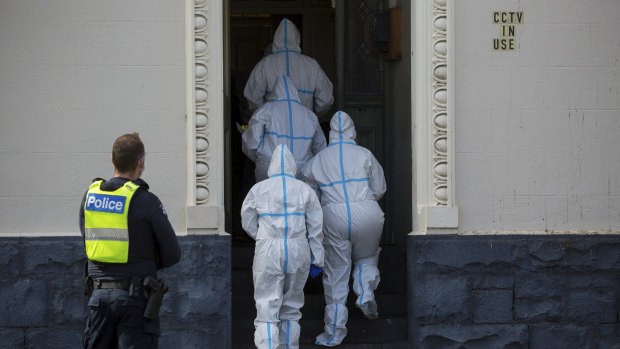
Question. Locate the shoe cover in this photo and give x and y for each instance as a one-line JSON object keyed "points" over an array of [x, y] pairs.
{"points": [[335, 319]]}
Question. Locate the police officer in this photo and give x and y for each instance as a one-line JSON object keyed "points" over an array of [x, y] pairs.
{"points": [[127, 237]]}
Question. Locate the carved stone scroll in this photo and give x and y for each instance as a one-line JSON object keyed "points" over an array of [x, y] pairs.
{"points": [[439, 107], [201, 103]]}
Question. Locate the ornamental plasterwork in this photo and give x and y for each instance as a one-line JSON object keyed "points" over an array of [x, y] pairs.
{"points": [[201, 84], [439, 107], [439, 104]]}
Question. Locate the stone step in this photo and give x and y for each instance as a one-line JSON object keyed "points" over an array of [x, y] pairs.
{"points": [[387, 332], [392, 282], [390, 305], [391, 256], [393, 345], [362, 333]]}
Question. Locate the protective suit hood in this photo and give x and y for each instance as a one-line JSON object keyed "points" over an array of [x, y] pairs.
{"points": [[342, 128], [285, 89], [282, 162], [286, 37]]}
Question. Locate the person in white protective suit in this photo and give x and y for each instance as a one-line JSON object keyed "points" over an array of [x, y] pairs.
{"points": [[315, 89], [285, 218], [282, 121], [349, 180]]}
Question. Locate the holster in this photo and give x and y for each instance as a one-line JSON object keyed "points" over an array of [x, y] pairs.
{"points": [[88, 281], [135, 287], [156, 290]]}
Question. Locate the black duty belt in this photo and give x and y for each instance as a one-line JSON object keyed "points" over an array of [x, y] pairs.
{"points": [[118, 284]]}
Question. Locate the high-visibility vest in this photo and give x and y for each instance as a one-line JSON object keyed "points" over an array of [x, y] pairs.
{"points": [[105, 221]]}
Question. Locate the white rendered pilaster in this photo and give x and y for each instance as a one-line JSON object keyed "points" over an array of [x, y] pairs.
{"points": [[205, 116], [433, 113]]}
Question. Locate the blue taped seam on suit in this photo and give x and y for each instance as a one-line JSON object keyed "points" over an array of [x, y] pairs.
{"points": [[287, 100], [335, 322], [285, 210], [361, 286], [287, 136], [269, 333], [344, 184], [288, 332], [282, 214], [341, 142], [290, 114], [347, 181], [282, 175]]}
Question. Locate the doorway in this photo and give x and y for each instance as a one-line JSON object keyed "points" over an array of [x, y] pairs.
{"points": [[376, 94], [252, 26], [250, 41], [343, 40]]}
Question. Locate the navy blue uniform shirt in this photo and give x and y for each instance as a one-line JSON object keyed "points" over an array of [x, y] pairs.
{"points": [[152, 241]]}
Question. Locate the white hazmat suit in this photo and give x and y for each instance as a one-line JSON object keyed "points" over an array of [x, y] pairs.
{"points": [[350, 181], [282, 121], [284, 216], [315, 89]]}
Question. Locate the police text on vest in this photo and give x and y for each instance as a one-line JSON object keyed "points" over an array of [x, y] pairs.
{"points": [[105, 203]]}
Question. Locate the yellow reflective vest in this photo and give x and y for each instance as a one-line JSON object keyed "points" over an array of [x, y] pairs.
{"points": [[105, 221]]}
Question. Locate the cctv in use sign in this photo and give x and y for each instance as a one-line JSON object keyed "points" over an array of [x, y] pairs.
{"points": [[507, 21]]}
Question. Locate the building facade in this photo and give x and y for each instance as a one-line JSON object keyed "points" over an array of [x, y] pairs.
{"points": [[496, 122]]}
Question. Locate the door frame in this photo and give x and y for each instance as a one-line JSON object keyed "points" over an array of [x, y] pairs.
{"points": [[205, 134], [432, 96]]}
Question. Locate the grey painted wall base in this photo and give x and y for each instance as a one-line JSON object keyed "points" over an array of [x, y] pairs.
{"points": [[42, 306], [518, 291]]}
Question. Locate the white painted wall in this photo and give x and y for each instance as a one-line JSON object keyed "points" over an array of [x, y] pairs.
{"points": [[538, 129], [74, 75]]}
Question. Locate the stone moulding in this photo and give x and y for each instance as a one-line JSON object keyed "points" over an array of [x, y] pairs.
{"points": [[441, 186], [201, 102], [433, 116], [204, 35]]}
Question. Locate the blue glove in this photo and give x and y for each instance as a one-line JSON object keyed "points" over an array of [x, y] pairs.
{"points": [[315, 271]]}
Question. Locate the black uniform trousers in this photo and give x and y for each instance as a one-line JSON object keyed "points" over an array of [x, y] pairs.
{"points": [[115, 321]]}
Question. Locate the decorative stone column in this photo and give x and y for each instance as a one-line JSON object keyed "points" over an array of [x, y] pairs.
{"points": [[433, 113], [204, 43]]}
